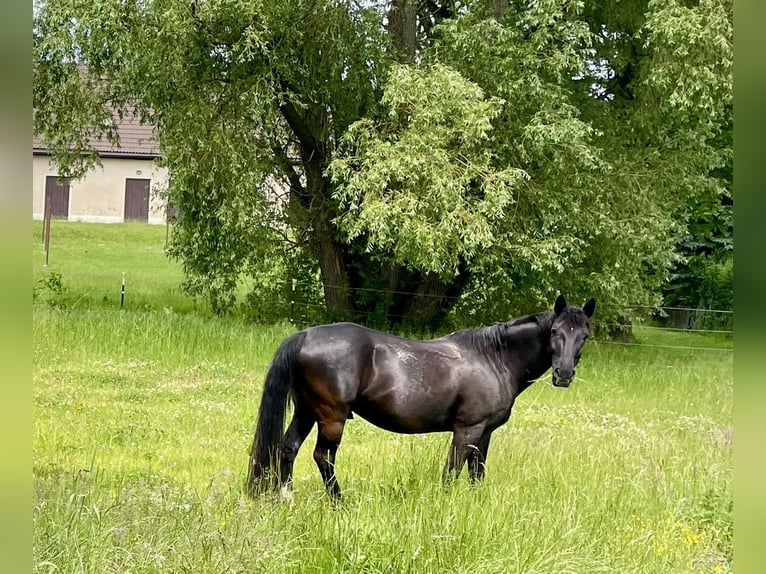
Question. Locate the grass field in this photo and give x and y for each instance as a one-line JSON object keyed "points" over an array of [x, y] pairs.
{"points": [[143, 418]]}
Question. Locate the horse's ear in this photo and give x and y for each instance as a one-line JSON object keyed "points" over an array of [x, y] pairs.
{"points": [[560, 304], [590, 307]]}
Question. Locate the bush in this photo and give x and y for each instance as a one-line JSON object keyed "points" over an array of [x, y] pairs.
{"points": [[50, 289]]}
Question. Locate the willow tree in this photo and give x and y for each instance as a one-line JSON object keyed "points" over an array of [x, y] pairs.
{"points": [[415, 153]]}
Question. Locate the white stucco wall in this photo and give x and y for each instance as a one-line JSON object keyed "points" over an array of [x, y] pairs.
{"points": [[100, 196]]}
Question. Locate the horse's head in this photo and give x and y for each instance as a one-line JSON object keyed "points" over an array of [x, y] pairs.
{"points": [[569, 330]]}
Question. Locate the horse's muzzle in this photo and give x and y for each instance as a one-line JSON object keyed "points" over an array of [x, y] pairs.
{"points": [[564, 382]]}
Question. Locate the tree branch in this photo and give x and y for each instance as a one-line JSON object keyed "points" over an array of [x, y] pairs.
{"points": [[287, 167], [307, 140]]}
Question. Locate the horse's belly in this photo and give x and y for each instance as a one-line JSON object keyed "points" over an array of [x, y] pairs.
{"points": [[404, 419]]}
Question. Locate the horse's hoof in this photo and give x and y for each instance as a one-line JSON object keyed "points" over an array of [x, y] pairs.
{"points": [[286, 493]]}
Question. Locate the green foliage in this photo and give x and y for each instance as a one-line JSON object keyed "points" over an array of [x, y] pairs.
{"points": [[582, 208], [693, 56], [419, 184], [285, 286], [50, 289], [703, 277], [705, 282]]}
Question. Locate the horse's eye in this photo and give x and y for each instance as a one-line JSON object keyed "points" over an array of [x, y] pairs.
{"points": [[554, 331]]}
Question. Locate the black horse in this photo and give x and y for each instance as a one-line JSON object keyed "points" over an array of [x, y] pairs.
{"points": [[465, 382]]}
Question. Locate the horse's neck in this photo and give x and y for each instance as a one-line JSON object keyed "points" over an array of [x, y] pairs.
{"points": [[533, 372], [532, 357]]}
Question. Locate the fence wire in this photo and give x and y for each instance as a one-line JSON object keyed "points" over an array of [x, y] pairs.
{"points": [[456, 298], [679, 347], [641, 326]]}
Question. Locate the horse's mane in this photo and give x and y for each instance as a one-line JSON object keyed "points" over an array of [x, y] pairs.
{"points": [[543, 320], [496, 337]]}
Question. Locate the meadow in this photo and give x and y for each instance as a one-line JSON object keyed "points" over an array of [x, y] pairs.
{"points": [[143, 418]]}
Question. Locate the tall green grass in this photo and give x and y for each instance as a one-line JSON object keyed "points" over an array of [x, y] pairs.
{"points": [[91, 258], [144, 417]]}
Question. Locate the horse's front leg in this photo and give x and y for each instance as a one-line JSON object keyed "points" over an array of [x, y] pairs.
{"points": [[477, 458], [464, 440]]}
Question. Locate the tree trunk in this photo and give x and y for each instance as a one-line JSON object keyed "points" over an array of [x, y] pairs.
{"points": [[501, 7], [402, 26], [337, 295], [387, 295], [427, 306], [329, 252], [434, 297]]}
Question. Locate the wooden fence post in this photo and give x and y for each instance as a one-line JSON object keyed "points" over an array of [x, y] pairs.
{"points": [[47, 228]]}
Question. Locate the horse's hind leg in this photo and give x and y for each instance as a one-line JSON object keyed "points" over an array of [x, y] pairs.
{"points": [[297, 431], [329, 434]]}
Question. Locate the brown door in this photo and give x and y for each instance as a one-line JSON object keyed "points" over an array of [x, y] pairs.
{"points": [[57, 192], [136, 199]]}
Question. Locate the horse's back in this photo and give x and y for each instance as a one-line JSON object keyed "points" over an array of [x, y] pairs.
{"points": [[353, 343]]}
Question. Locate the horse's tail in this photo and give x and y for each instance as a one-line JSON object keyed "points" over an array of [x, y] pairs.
{"points": [[279, 385]]}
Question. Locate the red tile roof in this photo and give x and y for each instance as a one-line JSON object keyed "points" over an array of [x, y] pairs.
{"points": [[136, 140]]}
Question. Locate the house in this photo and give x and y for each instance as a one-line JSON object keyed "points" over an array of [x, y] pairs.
{"points": [[122, 189]]}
